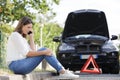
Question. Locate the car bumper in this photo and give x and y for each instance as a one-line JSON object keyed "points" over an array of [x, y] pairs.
{"points": [[76, 61]]}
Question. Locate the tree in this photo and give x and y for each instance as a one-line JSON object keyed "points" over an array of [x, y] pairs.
{"points": [[11, 10], [49, 30], [3, 40], [6, 28]]}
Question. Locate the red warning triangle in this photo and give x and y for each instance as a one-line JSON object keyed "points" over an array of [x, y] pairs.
{"points": [[95, 66]]}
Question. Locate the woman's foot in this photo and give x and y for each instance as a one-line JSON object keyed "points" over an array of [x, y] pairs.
{"points": [[68, 74]]}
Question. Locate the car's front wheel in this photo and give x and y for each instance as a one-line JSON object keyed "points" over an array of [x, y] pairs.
{"points": [[114, 69]]}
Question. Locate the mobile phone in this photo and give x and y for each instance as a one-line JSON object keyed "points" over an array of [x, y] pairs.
{"points": [[30, 32]]}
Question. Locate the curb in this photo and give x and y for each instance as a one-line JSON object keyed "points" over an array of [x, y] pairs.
{"points": [[4, 77], [39, 75], [31, 76]]}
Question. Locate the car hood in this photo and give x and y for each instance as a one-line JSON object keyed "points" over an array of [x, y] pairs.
{"points": [[86, 39], [86, 22]]}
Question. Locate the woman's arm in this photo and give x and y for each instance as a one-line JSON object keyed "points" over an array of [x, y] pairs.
{"points": [[47, 52], [32, 44], [32, 53]]}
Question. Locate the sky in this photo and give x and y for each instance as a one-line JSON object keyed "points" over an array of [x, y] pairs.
{"points": [[110, 7]]}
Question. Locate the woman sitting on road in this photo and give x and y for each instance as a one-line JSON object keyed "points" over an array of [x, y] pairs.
{"points": [[22, 57]]}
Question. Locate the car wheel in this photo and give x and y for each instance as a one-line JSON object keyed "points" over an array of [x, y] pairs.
{"points": [[105, 70], [115, 69]]}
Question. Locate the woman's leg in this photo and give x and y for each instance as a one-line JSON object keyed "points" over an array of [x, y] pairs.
{"points": [[25, 66], [54, 63]]}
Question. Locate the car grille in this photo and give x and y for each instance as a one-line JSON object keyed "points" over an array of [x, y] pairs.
{"points": [[88, 48]]}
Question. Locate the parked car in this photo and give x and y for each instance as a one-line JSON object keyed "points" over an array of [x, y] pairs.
{"points": [[86, 33]]}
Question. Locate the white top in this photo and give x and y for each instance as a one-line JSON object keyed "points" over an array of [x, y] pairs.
{"points": [[17, 47]]}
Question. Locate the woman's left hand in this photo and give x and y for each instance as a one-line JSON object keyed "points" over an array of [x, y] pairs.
{"points": [[48, 52]]}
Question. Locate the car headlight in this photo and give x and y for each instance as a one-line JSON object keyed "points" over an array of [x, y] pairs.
{"points": [[109, 47], [65, 47]]}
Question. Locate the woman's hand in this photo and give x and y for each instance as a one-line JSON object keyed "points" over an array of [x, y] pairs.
{"points": [[48, 52], [31, 37], [30, 33]]}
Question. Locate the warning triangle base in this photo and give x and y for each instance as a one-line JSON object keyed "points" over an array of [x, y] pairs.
{"points": [[95, 68]]}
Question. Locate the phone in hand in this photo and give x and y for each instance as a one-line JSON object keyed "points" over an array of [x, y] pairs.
{"points": [[30, 32]]}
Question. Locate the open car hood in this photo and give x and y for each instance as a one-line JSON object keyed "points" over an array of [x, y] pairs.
{"points": [[86, 22]]}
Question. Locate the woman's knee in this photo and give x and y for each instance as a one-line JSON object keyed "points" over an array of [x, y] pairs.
{"points": [[41, 49]]}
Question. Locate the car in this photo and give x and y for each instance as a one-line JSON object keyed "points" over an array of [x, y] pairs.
{"points": [[86, 33]]}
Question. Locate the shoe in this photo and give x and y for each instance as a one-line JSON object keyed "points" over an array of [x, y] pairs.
{"points": [[68, 74]]}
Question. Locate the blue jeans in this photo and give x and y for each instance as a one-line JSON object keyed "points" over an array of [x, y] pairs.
{"points": [[25, 66]]}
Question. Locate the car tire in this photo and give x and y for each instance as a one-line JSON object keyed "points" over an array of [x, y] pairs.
{"points": [[115, 69], [105, 70]]}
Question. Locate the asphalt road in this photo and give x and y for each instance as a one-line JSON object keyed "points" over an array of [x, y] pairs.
{"points": [[82, 76], [53, 76], [90, 77]]}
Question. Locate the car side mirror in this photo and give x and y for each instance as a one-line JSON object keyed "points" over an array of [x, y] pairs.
{"points": [[57, 39], [114, 37]]}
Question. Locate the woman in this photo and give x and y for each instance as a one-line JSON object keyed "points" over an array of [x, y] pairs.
{"points": [[22, 56]]}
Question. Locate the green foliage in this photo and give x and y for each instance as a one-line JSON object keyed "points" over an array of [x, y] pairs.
{"points": [[6, 28], [49, 31], [3, 42], [11, 10], [36, 28]]}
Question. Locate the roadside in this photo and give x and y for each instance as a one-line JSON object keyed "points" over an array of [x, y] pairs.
{"points": [[35, 75], [31, 76]]}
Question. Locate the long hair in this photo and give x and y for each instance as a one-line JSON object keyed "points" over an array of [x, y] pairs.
{"points": [[23, 21]]}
